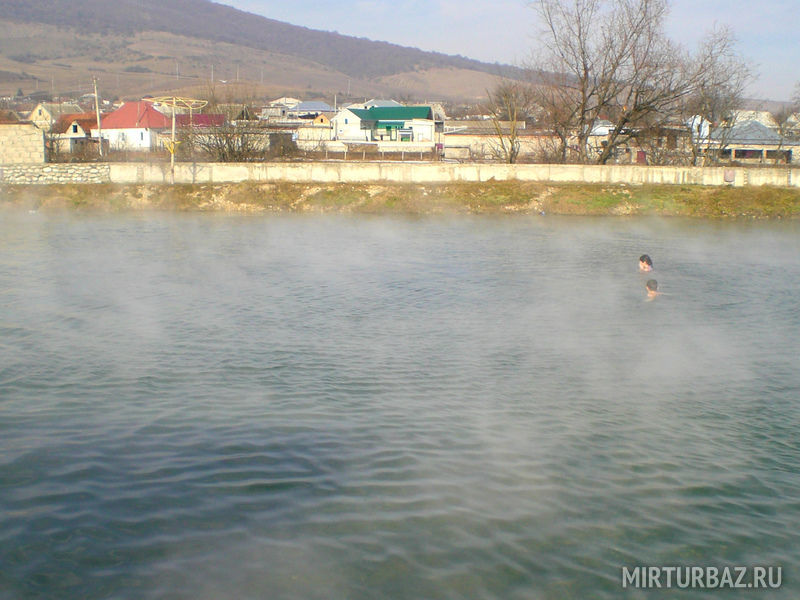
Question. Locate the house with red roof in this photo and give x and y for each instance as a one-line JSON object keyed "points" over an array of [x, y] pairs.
{"points": [[133, 126], [73, 132]]}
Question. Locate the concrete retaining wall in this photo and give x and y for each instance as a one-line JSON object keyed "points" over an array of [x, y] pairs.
{"points": [[408, 172]]}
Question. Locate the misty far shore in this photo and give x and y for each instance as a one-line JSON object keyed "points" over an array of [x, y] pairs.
{"points": [[493, 197]]}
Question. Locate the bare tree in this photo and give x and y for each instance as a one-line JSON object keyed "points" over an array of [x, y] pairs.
{"points": [[508, 106], [786, 119], [612, 60], [794, 120], [572, 49], [649, 74], [709, 112], [783, 117], [231, 143], [558, 105], [237, 143]]}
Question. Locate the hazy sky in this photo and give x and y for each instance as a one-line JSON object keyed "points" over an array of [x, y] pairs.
{"points": [[504, 30]]}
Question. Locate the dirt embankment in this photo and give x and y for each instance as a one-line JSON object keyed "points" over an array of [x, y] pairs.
{"points": [[500, 197]]}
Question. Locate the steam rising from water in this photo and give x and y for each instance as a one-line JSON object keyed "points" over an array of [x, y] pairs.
{"points": [[207, 406]]}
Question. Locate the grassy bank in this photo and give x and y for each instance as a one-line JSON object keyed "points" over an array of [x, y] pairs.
{"points": [[468, 198]]}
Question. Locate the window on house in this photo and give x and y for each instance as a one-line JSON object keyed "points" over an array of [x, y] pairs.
{"points": [[779, 154], [141, 136], [345, 121], [748, 154], [74, 129]]}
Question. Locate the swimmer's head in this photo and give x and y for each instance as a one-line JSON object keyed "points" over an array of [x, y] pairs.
{"points": [[652, 287], [645, 263]]}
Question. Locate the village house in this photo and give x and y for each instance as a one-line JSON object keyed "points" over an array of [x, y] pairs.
{"points": [[751, 142], [313, 109], [45, 114], [133, 126], [760, 116], [314, 134], [235, 111], [273, 112], [72, 133], [201, 120], [286, 101], [412, 124], [296, 113], [280, 109], [374, 103], [657, 144], [200, 126], [793, 126], [479, 140], [9, 116]]}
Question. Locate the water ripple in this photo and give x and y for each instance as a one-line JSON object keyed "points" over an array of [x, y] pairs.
{"points": [[301, 408]]}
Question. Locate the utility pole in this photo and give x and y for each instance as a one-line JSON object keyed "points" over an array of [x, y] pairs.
{"points": [[97, 112], [174, 102], [172, 146]]}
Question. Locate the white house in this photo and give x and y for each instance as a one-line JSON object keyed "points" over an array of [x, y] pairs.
{"points": [[760, 116], [287, 101], [347, 126], [314, 134], [383, 124], [133, 126]]}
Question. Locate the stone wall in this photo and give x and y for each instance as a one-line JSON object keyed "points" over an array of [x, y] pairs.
{"points": [[21, 144], [55, 173], [400, 172]]}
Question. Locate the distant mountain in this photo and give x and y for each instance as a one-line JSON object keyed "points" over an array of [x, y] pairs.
{"points": [[352, 57]]}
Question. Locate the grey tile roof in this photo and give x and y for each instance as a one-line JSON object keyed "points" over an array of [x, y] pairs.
{"points": [[748, 132], [313, 107]]}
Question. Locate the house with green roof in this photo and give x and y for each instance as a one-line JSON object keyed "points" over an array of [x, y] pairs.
{"points": [[410, 124]]}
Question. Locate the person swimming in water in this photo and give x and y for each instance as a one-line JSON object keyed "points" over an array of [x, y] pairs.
{"points": [[645, 263], [652, 288]]}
